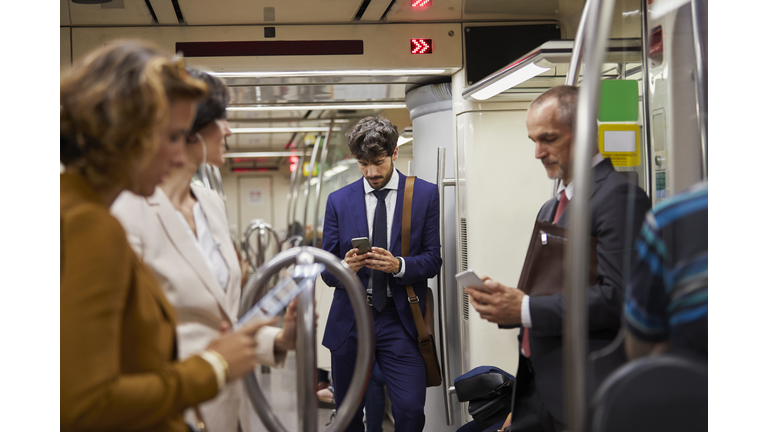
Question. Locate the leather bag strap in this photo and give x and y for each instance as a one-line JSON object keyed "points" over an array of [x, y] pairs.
{"points": [[405, 242]]}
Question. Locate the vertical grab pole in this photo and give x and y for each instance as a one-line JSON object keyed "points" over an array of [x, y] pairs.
{"points": [[312, 161], [572, 77], [448, 389], [699, 10], [306, 355], [597, 29], [646, 95], [320, 174], [291, 195]]}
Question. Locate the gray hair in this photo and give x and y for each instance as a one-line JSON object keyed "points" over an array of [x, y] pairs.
{"points": [[567, 102]]}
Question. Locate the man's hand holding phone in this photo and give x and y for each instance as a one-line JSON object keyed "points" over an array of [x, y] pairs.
{"points": [[353, 260]]}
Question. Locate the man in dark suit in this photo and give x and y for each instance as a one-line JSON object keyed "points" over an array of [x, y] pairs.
{"points": [[539, 399], [373, 207]]}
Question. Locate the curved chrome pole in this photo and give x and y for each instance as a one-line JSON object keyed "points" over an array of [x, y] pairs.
{"points": [[572, 77], [320, 174], [295, 199], [311, 170], [699, 11], [575, 329], [294, 174], [262, 227], [363, 320], [292, 241], [448, 389], [306, 365], [647, 151]]}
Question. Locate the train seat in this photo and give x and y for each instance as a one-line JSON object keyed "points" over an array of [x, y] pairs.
{"points": [[660, 393]]}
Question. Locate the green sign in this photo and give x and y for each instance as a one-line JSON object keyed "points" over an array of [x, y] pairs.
{"points": [[619, 101]]}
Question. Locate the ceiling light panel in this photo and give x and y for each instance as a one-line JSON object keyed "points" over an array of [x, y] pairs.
{"points": [[318, 107]]}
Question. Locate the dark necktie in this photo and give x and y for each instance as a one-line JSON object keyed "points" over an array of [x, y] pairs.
{"points": [[526, 346], [380, 240]]}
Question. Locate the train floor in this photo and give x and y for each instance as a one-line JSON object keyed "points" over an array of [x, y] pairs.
{"points": [[279, 387]]}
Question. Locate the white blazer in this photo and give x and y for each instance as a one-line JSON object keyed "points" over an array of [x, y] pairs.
{"points": [[158, 236]]}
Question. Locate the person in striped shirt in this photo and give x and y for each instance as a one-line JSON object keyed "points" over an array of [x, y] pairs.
{"points": [[666, 307]]}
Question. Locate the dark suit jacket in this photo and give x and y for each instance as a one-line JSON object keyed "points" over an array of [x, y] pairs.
{"points": [[610, 208], [345, 219], [118, 331]]}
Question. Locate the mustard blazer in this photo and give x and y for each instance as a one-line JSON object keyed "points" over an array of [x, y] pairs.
{"points": [[118, 339], [160, 238]]}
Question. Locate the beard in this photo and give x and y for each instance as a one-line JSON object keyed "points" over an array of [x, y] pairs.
{"points": [[385, 180]]}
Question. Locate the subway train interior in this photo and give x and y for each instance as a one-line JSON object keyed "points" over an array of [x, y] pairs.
{"points": [[457, 79]]}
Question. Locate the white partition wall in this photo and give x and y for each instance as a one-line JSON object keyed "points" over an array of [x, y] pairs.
{"points": [[433, 126], [501, 187]]}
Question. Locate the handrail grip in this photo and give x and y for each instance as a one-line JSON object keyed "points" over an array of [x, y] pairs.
{"points": [[442, 182], [699, 10], [311, 170], [364, 323], [596, 31], [321, 174]]}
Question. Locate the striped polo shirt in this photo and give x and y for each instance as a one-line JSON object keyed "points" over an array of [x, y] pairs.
{"points": [[666, 297]]}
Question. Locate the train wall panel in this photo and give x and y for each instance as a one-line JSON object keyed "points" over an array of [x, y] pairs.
{"points": [[385, 46]]}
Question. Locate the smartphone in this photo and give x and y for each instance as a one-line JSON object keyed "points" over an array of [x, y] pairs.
{"points": [[278, 298], [362, 244], [470, 279]]}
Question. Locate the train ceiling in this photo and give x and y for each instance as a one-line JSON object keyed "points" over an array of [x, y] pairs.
{"points": [[298, 90], [233, 12]]}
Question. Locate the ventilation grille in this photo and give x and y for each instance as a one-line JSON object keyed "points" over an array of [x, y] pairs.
{"points": [[464, 264]]}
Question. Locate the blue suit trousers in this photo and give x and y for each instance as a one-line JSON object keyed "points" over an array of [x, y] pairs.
{"points": [[398, 357]]}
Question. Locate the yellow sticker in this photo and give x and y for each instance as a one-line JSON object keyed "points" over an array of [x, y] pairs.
{"points": [[621, 143]]}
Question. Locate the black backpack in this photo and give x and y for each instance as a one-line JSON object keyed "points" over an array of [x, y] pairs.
{"points": [[489, 391]]}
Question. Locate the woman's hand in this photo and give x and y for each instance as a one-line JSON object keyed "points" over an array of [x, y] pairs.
{"points": [[286, 339], [239, 348]]}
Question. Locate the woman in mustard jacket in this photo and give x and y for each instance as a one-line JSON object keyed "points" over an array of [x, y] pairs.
{"points": [[126, 109]]}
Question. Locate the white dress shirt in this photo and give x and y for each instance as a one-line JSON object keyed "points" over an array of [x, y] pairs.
{"points": [[525, 308], [370, 211], [208, 248]]}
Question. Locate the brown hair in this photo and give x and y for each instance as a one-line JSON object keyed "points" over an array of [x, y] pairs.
{"points": [[371, 138], [113, 102], [567, 103]]}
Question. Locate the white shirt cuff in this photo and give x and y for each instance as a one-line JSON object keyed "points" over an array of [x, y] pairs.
{"points": [[265, 347], [402, 268], [525, 312], [218, 369]]}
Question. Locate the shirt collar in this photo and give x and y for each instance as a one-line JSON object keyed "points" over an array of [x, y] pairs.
{"points": [[393, 183], [596, 159]]}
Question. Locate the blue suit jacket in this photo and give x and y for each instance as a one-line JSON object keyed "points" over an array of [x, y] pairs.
{"points": [[345, 219]]}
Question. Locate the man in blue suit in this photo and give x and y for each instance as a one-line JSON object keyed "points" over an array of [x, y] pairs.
{"points": [[373, 207]]}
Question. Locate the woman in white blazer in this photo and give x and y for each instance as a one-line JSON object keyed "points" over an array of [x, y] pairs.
{"points": [[181, 233]]}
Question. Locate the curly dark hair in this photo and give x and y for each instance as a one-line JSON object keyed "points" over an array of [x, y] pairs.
{"points": [[215, 105], [372, 138]]}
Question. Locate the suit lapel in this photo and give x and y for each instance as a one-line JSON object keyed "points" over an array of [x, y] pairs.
{"points": [[222, 238], [601, 172], [178, 236], [357, 207], [397, 223]]}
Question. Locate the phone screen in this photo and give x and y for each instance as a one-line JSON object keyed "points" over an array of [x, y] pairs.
{"points": [[362, 244], [302, 277], [470, 279]]}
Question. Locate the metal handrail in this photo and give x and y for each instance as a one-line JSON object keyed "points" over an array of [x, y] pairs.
{"points": [[596, 31], [572, 77], [294, 175], [254, 289], [311, 170], [699, 9], [321, 174], [646, 93], [292, 241], [262, 227], [448, 389]]}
